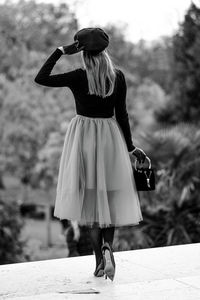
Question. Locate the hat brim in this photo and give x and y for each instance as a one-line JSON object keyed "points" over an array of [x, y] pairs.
{"points": [[72, 48]]}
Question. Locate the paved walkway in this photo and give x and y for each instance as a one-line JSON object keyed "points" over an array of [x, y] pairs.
{"points": [[168, 273]]}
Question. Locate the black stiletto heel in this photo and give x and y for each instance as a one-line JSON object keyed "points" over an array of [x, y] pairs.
{"points": [[109, 262]]}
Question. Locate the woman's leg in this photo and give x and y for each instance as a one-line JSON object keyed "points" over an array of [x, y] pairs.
{"points": [[109, 261], [96, 241], [108, 234], [98, 236]]}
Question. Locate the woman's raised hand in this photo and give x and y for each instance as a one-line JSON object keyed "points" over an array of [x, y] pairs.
{"points": [[69, 49]]}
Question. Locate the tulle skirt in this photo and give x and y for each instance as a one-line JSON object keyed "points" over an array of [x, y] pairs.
{"points": [[96, 186]]}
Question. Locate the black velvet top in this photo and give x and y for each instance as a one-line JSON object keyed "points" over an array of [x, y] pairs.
{"points": [[86, 104]]}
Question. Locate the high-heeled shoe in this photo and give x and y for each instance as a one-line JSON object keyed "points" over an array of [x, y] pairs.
{"points": [[99, 272], [109, 262]]}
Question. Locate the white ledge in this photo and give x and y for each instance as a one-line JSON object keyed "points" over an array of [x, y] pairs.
{"points": [[171, 272]]}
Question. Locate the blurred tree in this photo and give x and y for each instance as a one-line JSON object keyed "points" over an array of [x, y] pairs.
{"points": [[149, 96], [27, 26], [142, 60], [160, 62], [184, 104], [11, 224], [30, 113], [29, 118], [153, 61]]}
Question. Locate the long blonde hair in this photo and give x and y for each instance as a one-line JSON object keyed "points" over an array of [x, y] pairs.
{"points": [[100, 71]]}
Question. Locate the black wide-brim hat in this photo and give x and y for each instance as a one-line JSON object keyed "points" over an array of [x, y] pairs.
{"points": [[92, 39]]}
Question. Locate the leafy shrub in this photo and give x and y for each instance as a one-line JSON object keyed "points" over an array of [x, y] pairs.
{"points": [[171, 213], [11, 224]]}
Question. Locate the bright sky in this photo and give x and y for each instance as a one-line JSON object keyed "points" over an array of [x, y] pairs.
{"points": [[147, 19]]}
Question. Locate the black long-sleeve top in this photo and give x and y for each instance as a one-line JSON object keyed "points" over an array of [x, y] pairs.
{"points": [[86, 104]]}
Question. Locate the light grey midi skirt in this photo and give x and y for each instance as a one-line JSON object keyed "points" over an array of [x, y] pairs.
{"points": [[96, 186]]}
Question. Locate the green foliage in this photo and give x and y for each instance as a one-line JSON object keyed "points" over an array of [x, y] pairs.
{"points": [[174, 216], [149, 96], [172, 212], [141, 60], [185, 99], [11, 224], [31, 115]]}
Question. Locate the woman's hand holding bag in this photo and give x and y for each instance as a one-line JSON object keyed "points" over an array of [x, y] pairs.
{"points": [[140, 154], [144, 177]]}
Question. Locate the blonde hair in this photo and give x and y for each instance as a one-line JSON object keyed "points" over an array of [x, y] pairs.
{"points": [[100, 71]]}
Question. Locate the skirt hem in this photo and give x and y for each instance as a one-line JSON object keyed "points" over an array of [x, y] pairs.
{"points": [[96, 224]]}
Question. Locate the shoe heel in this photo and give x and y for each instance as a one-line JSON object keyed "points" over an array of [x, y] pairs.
{"points": [[109, 262]]}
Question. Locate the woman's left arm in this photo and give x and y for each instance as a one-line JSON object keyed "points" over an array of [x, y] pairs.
{"points": [[45, 78]]}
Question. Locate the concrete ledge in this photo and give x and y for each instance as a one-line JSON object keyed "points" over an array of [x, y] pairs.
{"points": [[159, 273]]}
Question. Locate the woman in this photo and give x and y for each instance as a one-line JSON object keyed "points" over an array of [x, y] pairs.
{"points": [[95, 184]]}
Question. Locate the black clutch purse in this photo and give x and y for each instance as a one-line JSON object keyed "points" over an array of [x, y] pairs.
{"points": [[144, 177]]}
